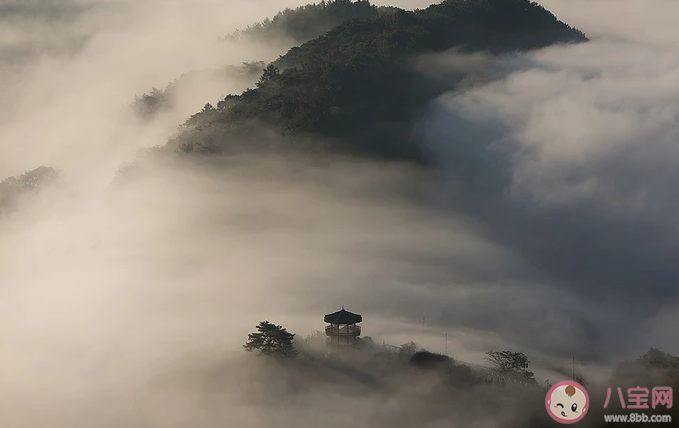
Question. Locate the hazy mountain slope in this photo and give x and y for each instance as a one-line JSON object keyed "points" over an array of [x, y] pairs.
{"points": [[288, 28], [307, 22], [156, 101], [353, 85], [13, 189], [479, 25]]}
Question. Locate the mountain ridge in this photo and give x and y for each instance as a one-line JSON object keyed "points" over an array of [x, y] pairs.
{"points": [[352, 89]]}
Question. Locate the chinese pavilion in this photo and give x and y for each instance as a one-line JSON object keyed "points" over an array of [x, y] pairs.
{"points": [[342, 329]]}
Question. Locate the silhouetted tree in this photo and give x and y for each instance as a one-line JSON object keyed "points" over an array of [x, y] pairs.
{"points": [[270, 73], [272, 340], [508, 362]]}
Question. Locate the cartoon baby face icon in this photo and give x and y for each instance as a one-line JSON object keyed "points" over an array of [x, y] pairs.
{"points": [[567, 402]]}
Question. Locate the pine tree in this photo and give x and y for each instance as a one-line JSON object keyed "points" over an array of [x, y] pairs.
{"points": [[272, 340], [270, 73]]}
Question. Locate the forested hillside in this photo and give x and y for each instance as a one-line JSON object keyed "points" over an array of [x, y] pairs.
{"points": [[13, 189], [287, 28], [307, 22], [157, 100], [354, 89]]}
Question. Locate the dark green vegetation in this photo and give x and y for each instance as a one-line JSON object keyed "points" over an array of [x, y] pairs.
{"points": [[13, 189], [289, 27], [307, 22], [354, 90], [157, 100]]}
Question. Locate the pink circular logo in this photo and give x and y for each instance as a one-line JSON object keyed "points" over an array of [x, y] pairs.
{"points": [[567, 402]]}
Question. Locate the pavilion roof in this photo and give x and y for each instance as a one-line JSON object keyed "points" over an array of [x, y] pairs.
{"points": [[343, 317]]}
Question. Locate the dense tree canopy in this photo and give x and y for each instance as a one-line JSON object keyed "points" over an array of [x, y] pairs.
{"points": [[473, 25], [353, 89], [307, 22], [157, 100]]}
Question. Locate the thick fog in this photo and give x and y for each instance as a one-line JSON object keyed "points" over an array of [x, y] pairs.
{"points": [[73, 67], [125, 302], [567, 155]]}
